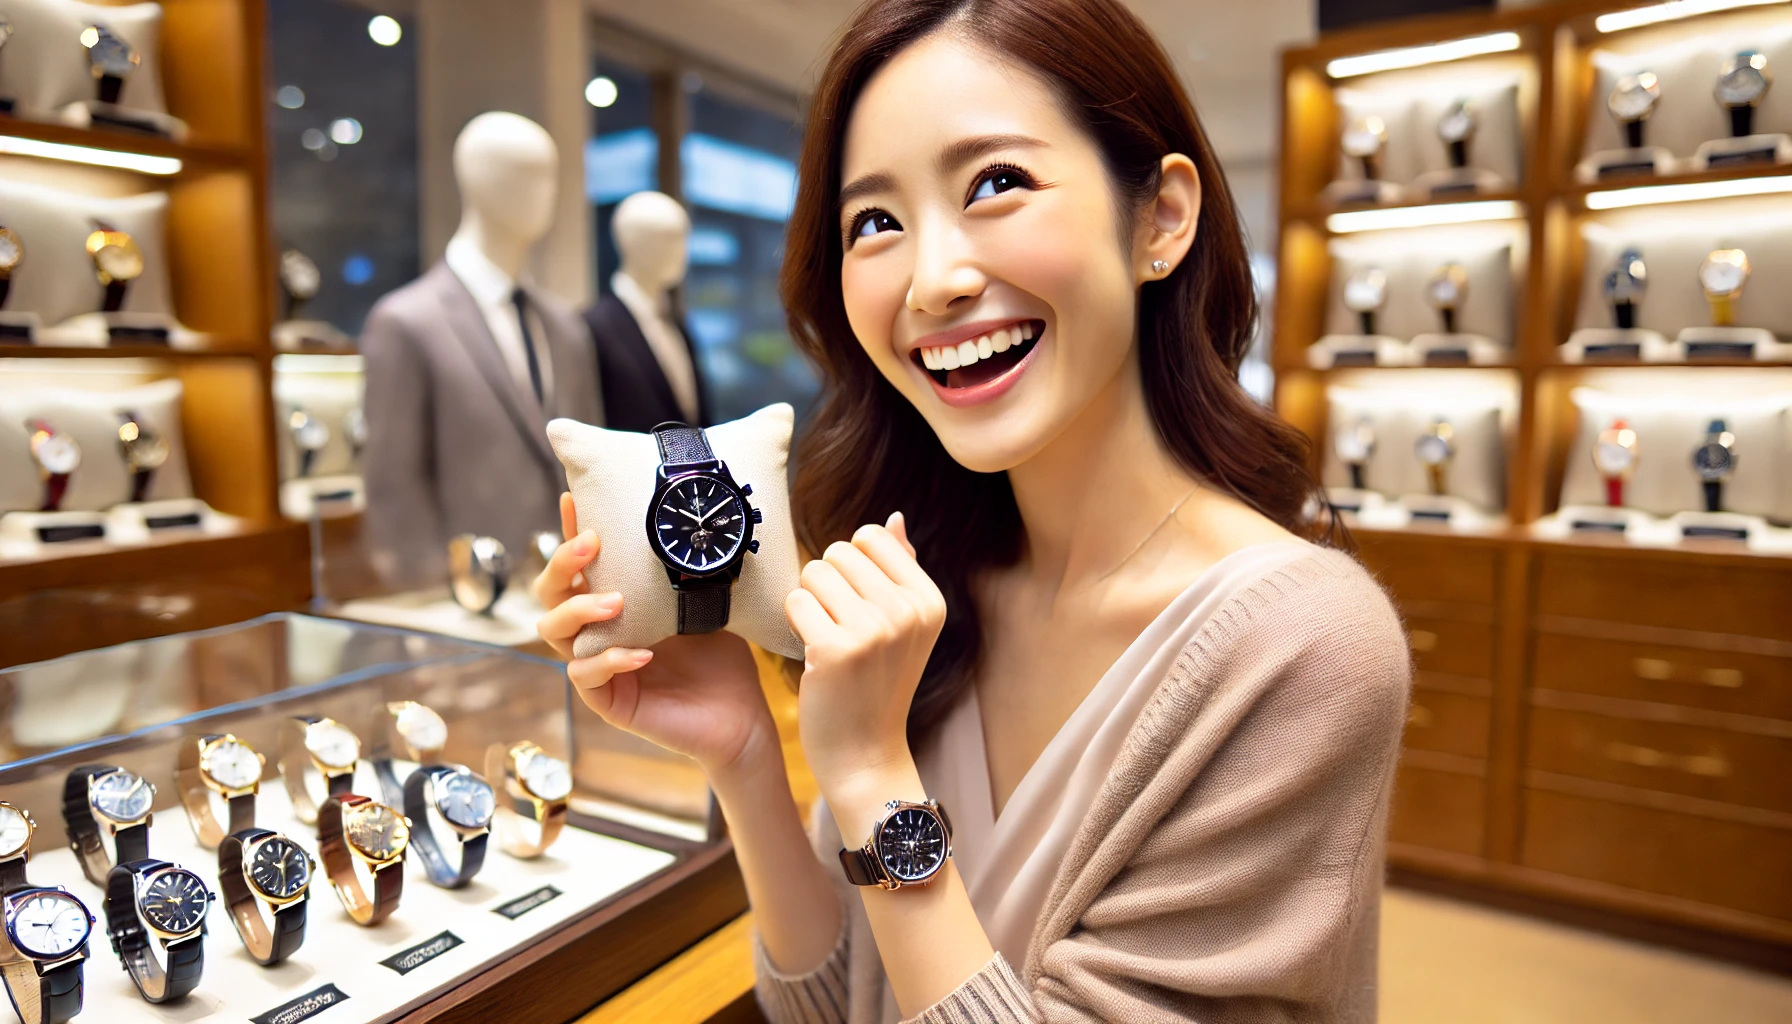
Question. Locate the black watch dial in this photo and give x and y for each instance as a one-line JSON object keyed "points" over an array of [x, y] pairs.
{"points": [[699, 523], [911, 844], [280, 869], [1713, 461], [175, 901]]}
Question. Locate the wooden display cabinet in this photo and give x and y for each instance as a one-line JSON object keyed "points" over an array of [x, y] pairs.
{"points": [[1599, 731]]}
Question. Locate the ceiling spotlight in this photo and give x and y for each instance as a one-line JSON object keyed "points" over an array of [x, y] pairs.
{"points": [[384, 30], [600, 91]]}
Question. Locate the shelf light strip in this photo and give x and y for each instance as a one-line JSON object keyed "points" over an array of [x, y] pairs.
{"points": [[1423, 216], [1672, 11], [139, 162], [1414, 56], [1647, 195]]}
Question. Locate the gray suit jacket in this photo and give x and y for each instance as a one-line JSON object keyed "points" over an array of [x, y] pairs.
{"points": [[453, 445]]}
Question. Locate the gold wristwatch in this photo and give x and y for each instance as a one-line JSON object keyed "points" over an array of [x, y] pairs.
{"points": [[1615, 455], [1364, 139], [532, 787], [144, 450], [260, 868], [12, 253], [408, 731], [1435, 448], [355, 831], [45, 931], [116, 261], [314, 745], [105, 799], [1722, 275], [222, 764]]}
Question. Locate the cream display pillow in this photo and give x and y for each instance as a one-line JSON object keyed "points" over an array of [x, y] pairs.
{"points": [[56, 279], [92, 418], [46, 69], [327, 388], [612, 475], [1409, 259], [1398, 416]]}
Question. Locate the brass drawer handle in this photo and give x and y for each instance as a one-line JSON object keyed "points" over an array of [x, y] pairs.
{"points": [[1423, 640], [1660, 670], [1418, 717], [1707, 765]]}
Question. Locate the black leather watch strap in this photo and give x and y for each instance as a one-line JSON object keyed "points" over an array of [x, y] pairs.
{"points": [[131, 842], [1714, 495], [44, 997], [858, 867], [265, 943], [704, 609], [130, 940], [12, 874], [682, 445], [423, 838]]}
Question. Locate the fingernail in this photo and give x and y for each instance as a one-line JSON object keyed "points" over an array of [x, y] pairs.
{"points": [[642, 657], [610, 602], [895, 517], [581, 545]]}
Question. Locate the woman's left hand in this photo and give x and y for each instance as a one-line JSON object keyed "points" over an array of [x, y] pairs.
{"points": [[868, 617]]}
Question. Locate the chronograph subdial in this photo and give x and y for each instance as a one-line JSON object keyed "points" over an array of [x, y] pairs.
{"points": [[702, 524]]}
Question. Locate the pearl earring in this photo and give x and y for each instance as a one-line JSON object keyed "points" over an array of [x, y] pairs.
{"points": [[1160, 267]]}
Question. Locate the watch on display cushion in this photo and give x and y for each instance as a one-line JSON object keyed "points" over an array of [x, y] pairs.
{"points": [[1741, 85], [1631, 102], [615, 478], [60, 277], [700, 526]]}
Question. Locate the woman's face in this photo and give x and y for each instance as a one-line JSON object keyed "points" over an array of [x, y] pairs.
{"points": [[984, 271]]}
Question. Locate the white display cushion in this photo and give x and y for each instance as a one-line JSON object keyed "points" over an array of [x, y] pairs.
{"points": [[1358, 350], [92, 418], [328, 393], [45, 68], [584, 867], [1400, 159], [612, 475], [1668, 427], [327, 497], [1674, 244], [1399, 416], [1409, 259], [1495, 146], [1592, 344], [1412, 103], [56, 280]]}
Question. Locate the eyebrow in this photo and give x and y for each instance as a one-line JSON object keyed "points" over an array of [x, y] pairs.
{"points": [[954, 156]]}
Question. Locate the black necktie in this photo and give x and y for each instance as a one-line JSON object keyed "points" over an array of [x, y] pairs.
{"points": [[521, 302]]}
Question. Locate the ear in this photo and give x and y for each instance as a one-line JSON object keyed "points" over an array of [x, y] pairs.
{"points": [[1168, 230]]}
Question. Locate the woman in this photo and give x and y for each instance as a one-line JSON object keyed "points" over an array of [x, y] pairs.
{"points": [[1163, 724]]}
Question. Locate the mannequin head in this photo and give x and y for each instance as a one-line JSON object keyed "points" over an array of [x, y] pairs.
{"points": [[652, 234], [505, 165]]}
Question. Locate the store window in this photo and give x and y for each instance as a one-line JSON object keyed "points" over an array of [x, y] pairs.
{"points": [[623, 155], [343, 148]]}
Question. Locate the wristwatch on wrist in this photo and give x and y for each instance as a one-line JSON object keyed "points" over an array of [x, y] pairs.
{"points": [[116, 261], [299, 282], [353, 830], [1631, 102], [122, 800], [1740, 87], [1446, 291], [1715, 460], [1365, 292], [1435, 448], [258, 868], [531, 802], [1722, 275], [466, 802], [110, 58], [1456, 128], [1625, 284], [1354, 444], [908, 846], [478, 570], [1364, 139], [155, 901], [12, 253], [221, 764], [144, 450], [700, 526], [46, 932], [1615, 455], [315, 746], [57, 456], [309, 436], [411, 731]]}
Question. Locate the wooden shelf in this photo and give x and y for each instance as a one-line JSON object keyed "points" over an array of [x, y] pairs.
{"points": [[227, 350], [195, 158], [1315, 211]]}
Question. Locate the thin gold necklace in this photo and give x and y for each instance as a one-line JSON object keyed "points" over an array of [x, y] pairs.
{"points": [[1140, 546]]}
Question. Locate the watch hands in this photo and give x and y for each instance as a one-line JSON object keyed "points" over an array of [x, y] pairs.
{"points": [[694, 518]]}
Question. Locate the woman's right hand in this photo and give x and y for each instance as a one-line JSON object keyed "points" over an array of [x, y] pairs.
{"points": [[695, 695]]}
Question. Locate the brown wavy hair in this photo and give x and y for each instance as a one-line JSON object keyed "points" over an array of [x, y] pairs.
{"points": [[867, 452]]}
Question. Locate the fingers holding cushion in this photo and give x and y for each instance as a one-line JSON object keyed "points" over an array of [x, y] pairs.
{"points": [[565, 572], [560, 625]]}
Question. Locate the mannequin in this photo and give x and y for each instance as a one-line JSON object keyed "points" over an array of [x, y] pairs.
{"points": [[466, 364], [647, 363]]}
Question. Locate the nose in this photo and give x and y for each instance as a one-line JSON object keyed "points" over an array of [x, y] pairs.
{"points": [[945, 272]]}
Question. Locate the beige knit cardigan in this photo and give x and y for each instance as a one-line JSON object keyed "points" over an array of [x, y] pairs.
{"points": [[1230, 869]]}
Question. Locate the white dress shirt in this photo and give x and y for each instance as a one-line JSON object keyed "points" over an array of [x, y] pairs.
{"points": [[655, 320], [491, 289]]}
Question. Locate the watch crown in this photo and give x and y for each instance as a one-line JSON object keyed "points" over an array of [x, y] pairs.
{"points": [[758, 516], [753, 546], [746, 490]]}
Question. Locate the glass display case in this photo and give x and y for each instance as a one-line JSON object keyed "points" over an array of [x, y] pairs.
{"points": [[637, 840]]}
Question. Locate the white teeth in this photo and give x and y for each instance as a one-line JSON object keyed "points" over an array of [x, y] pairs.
{"points": [[949, 358], [967, 353], [986, 346], [1001, 341], [1026, 331], [930, 358]]}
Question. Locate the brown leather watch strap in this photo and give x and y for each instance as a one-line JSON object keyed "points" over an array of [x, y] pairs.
{"points": [[196, 797], [339, 864]]}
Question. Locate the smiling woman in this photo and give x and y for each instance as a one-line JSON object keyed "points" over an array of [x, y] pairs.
{"points": [[1101, 735]]}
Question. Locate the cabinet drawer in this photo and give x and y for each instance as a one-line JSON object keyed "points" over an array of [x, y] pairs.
{"points": [[1445, 645], [1713, 764], [1449, 723], [1670, 593], [1438, 810], [1431, 569], [1746, 684], [1720, 863]]}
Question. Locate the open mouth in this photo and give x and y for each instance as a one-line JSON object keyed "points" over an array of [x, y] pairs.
{"points": [[980, 360]]}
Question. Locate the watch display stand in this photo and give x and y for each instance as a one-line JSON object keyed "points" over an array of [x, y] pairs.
{"points": [[1458, 350], [137, 522], [125, 328], [1458, 182], [511, 622], [1362, 192], [1632, 524], [115, 117], [1610, 164], [1758, 343], [1354, 502], [1593, 344], [1772, 148], [1717, 525], [1358, 350], [329, 497], [25, 533], [19, 327], [1443, 510], [310, 336]]}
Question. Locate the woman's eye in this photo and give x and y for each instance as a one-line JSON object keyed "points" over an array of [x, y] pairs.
{"points": [[872, 222], [997, 182]]}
